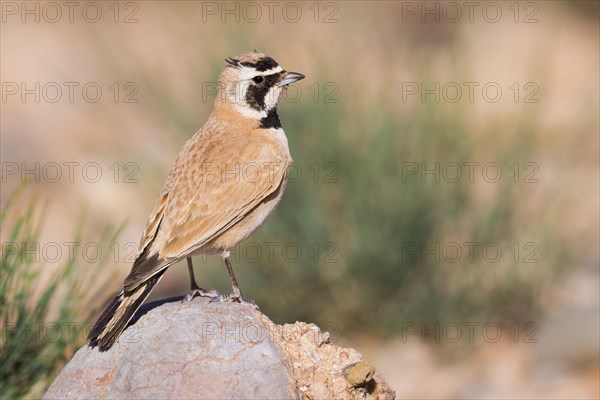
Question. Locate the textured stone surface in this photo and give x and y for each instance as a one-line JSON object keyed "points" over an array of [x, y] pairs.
{"points": [[182, 350], [320, 367], [214, 350]]}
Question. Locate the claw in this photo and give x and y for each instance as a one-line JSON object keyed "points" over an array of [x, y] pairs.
{"points": [[199, 292], [234, 298]]}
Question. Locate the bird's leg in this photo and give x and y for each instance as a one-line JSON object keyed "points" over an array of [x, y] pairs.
{"points": [[236, 294], [195, 289]]}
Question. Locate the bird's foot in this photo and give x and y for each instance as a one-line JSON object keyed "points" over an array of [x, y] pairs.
{"points": [[234, 298], [199, 292]]}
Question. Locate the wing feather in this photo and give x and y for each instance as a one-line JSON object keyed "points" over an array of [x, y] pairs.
{"points": [[219, 185], [239, 185]]}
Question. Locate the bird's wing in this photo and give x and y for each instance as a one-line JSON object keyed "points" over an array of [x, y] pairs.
{"points": [[153, 222], [144, 258], [237, 179]]}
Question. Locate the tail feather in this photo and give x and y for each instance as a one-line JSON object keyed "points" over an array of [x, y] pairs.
{"points": [[114, 319]]}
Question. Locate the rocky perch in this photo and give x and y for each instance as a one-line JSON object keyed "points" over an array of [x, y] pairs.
{"points": [[218, 351]]}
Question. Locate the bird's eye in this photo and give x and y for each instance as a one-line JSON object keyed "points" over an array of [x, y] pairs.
{"points": [[258, 79]]}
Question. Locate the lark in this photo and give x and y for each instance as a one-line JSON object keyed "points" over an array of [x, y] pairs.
{"points": [[226, 181]]}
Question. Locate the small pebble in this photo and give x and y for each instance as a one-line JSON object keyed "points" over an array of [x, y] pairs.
{"points": [[359, 373]]}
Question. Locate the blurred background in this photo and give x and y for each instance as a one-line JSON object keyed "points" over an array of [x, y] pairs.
{"points": [[442, 214]]}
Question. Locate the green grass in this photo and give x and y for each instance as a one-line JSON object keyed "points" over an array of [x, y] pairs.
{"points": [[43, 317]]}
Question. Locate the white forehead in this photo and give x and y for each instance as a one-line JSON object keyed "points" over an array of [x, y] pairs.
{"points": [[249, 72]]}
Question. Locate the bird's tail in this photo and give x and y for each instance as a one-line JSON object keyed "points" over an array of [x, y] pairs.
{"points": [[119, 312]]}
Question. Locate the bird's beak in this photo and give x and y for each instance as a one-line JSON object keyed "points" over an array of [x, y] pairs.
{"points": [[290, 77]]}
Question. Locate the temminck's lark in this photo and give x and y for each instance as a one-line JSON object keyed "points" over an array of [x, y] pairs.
{"points": [[225, 182]]}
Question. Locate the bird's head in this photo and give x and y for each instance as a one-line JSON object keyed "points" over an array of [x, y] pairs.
{"points": [[252, 84]]}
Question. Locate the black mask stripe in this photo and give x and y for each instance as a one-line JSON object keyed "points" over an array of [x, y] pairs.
{"points": [[271, 120], [255, 96]]}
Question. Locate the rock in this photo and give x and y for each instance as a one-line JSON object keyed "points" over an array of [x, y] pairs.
{"points": [[318, 366], [360, 373], [207, 350]]}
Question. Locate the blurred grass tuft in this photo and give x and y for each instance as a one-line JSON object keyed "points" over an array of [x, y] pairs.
{"points": [[43, 317], [372, 217]]}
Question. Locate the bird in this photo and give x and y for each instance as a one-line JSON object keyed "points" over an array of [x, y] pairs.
{"points": [[225, 182]]}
